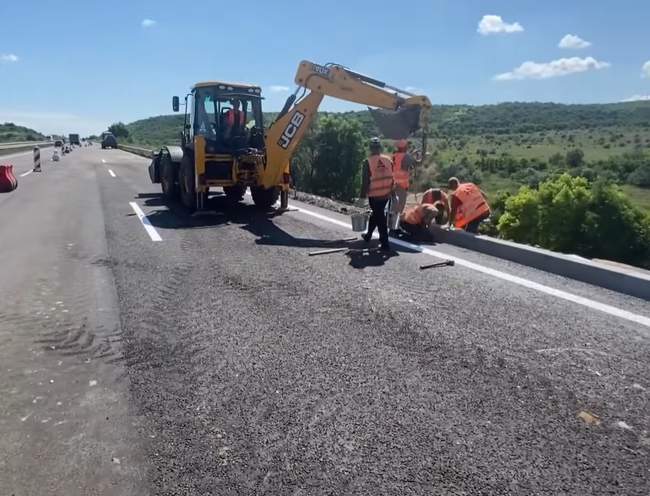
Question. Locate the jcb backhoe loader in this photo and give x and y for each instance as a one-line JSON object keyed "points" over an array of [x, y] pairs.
{"points": [[224, 143]]}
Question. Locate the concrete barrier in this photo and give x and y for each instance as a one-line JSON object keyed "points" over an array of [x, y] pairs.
{"points": [[137, 150], [8, 148], [628, 280]]}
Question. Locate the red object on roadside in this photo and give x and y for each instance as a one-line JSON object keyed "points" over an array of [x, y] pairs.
{"points": [[8, 181]]}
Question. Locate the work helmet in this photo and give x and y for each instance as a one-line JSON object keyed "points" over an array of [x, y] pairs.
{"points": [[375, 144]]}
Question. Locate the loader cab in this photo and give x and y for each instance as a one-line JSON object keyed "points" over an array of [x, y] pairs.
{"points": [[209, 113]]}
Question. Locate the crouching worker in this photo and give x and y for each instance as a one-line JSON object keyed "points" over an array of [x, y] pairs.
{"points": [[418, 219], [468, 206]]}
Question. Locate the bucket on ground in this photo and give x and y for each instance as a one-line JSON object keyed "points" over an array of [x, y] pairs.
{"points": [[393, 221], [359, 221]]}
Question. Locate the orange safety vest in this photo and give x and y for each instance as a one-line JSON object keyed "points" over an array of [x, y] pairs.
{"points": [[415, 215], [472, 204], [230, 117], [401, 175], [381, 176]]}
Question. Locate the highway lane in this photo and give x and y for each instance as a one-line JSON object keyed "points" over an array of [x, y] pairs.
{"points": [[246, 366]]}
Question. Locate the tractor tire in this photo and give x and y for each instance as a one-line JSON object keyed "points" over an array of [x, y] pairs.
{"points": [[168, 179], [187, 186], [264, 199], [235, 193]]}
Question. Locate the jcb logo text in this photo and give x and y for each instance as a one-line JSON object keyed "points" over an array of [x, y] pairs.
{"points": [[291, 130]]}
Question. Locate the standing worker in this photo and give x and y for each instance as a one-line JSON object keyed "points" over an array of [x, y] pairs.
{"points": [[468, 205], [403, 163], [377, 186]]}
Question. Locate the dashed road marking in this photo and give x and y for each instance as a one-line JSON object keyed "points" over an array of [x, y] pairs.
{"points": [[111, 173], [26, 173], [558, 293], [151, 231]]}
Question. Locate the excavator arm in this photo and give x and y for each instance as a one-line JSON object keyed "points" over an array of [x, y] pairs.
{"points": [[406, 112]]}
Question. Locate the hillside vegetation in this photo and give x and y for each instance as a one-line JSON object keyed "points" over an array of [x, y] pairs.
{"points": [[504, 146], [10, 132]]}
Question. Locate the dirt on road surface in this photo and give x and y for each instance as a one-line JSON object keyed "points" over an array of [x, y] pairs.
{"points": [[224, 360]]}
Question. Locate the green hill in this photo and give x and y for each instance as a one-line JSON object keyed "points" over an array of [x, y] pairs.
{"points": [[10, 132], [453, 121], [508, 145]]}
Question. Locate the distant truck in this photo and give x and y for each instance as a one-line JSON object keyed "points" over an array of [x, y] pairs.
{"points": [[108, 140], [74, 139]]}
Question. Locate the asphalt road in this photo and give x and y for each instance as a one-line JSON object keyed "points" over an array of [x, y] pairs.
{"points": [[222, 359]]}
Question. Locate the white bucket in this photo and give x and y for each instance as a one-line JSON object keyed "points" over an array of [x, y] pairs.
{"points": [[393, 221], [359, 222]]}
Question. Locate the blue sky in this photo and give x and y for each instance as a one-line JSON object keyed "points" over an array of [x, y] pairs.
{"points": [[82, 65]]}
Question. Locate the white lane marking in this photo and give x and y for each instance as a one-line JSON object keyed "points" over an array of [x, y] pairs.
{"points": [[558, 293], [27, 173], [103, 161], [151, 231], [111, 173]]}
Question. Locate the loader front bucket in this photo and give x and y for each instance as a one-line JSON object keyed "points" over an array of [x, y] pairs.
{"points": [[397, 124]]}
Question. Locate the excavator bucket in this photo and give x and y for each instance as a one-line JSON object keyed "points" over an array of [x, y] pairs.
{"points": [[397, 124]]}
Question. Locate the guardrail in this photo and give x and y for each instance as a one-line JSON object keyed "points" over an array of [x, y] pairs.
{"points": [[6, 148], [137, 150]]}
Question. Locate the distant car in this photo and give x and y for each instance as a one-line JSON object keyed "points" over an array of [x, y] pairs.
{"points": [[58, 143], [109, 141]]}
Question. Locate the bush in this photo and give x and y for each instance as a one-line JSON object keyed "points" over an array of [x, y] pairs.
{"points": [[575, 158], [462, 170], [570, 214], [497, 207], [641, 176], [340, 153]]}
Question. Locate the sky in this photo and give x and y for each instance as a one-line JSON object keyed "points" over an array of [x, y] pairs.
{"points": [[83, 65]]}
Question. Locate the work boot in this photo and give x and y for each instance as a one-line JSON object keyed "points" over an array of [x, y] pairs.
{"points": [[367, 237], [385, 246]]}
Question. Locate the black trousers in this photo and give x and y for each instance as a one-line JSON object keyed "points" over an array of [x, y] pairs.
{"points": [[473, 226], [378, 218]]}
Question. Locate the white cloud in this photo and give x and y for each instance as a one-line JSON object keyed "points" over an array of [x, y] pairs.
{"points": [[415, 90], [574, 42], [555, 68], [147, 23], [645, 70], [277, 88], [637, 98], [493, 24], [9, 57]]}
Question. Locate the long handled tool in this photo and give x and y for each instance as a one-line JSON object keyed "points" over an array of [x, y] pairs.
{"points": [[444, 263], [325, 252]]}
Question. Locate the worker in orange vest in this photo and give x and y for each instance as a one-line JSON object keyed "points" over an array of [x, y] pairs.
{"points": [[418, 219], [468, 205], [234, 119], [434, 195], [377, 186], [403, 162]]}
